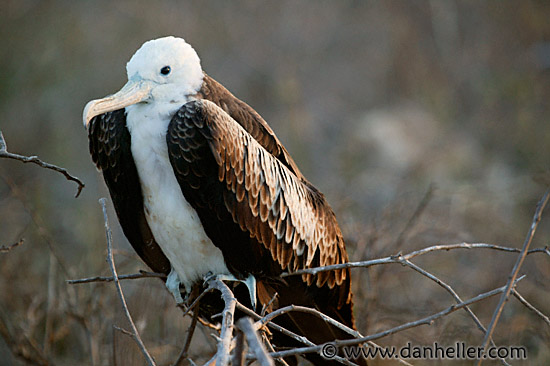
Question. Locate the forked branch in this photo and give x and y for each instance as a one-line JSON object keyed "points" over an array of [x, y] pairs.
{"points": [[110, 258]]}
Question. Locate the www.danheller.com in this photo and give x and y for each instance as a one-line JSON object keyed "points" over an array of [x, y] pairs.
{"points": [[457, 351]]}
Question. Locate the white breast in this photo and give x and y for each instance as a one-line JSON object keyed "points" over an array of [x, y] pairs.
{"points": [[174, 223]]}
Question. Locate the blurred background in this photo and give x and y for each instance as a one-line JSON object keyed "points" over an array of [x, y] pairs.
{"points": [[423, 122]]}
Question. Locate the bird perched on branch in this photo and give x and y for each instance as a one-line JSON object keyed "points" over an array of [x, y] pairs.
{"points": [[203, 187]]}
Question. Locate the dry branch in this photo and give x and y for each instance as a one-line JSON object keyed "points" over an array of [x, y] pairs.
{"points": [[197, 300], [293, 335], [254, 342], [190, 331], [515, 271], [33, 159], [274, 326], [228, 315], [110, 258], [531, 307], [266, 319], [424, 321], [399, 258], [133, 276]]}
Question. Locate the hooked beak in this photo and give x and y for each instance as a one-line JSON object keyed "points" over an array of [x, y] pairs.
{"points": [[131, 93]]}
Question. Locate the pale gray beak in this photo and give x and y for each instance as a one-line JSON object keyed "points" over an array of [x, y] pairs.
{"points": [[133, 92]]}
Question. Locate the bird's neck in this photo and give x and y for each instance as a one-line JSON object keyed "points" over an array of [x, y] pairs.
{"points": [[151, 118]]}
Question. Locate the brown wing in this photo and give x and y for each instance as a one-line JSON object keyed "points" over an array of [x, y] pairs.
{"points": [[237, 186], [249, 119], [109, 142]]}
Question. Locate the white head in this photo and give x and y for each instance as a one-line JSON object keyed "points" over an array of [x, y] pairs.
{"points": [[164, 70]]}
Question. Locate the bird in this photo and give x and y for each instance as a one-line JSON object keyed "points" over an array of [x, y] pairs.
{"points": [[202, 187]]}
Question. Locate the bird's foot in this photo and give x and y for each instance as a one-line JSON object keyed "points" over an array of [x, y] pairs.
{"points": [[173, 285], [250, 283]]}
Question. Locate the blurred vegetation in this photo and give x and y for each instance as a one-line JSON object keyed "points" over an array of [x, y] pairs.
{"points": [[376, 101]]}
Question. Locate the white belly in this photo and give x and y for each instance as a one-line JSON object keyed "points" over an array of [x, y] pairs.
{"points": [[173, 222]]}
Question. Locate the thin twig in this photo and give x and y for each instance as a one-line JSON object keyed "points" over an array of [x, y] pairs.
{"points": [[194, 303], [531, 307], [424, 321], [247, 311], [124, 331], [7, 248], [141, 274], [448, 247], [269, 317], [267, 306], [515, 271], [111, 260], [398, 258], [33, 159], [254, 342], [190, 331]]}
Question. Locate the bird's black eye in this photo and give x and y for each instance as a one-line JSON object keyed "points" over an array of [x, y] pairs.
{"points": [[165, 70]]}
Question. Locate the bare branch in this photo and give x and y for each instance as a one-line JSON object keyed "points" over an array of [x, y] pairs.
{"points": [[424, 321], [141, 274], [274, 326], [7, 248], [315, 312], [398, 258], [531, 307], [267, 306], [185, 351], [447, 247], [210, 289], [267, 320], [293, 335], [228, 315], [254, 342], [33, 159], [111, 260], [512, 277]]}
